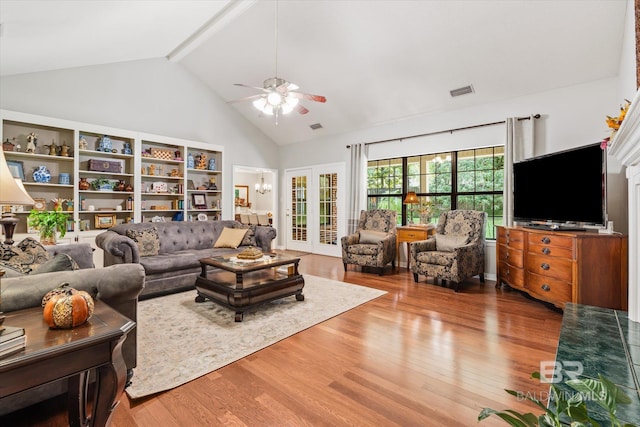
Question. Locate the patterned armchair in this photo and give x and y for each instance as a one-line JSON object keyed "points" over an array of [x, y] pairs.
{"points": [[374, 242], [456, 252]]}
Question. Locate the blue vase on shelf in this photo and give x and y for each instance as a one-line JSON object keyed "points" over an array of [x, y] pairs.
{"points": [[212, 164], [42, 174], [191, 163]]}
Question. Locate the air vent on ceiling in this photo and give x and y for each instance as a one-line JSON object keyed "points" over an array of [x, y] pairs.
{"points": [[315, 126], [461, 91]]}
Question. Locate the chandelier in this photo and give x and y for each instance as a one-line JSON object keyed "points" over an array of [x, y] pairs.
{"points": [[262, 187]]}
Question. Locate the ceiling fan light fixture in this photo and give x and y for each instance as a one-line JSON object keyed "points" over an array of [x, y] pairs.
{"points": [[274, 98]]}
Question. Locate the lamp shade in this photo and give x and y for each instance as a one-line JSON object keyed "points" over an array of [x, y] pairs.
{"points": [[12, 191], [411, 198]]}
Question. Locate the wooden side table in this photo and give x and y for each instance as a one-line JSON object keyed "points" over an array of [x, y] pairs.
{"points": [[412, 233], [53, 354]]}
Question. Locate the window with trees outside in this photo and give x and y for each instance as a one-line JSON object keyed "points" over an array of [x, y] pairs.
{"points": [[468, 179]]}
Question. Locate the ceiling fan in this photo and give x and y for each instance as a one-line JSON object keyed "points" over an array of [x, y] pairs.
{"points": [[278, 95]]}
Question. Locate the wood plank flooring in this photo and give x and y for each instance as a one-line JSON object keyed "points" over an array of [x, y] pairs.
{"points": [[421, 355]]}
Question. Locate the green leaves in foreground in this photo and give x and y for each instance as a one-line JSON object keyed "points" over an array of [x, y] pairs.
{"points": [[567, 409]]}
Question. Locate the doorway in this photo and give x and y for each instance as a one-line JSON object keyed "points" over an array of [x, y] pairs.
{"points": [[315, 209], [255, 191]]}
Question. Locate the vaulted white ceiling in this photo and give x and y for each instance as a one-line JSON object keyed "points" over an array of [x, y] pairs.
{"points": [[376, 61]]}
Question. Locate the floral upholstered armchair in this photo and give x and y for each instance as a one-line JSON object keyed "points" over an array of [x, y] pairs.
{"points": [[456, 252], [374, 242]]}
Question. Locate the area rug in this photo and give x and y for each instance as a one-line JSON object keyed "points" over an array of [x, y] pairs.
{"points": [[180, 340]]}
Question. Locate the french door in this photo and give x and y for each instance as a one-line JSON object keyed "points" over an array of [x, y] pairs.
{"points": [[315, 216]]}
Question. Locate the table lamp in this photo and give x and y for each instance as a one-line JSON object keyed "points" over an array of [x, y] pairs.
{"points": [[12, 192], [411, 199]]}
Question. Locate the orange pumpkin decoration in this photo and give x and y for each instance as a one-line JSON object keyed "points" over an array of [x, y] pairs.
{"points": [[66, 307]]}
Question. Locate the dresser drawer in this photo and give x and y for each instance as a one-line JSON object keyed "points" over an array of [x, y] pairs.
{"points": [[511, 275], [511, 238], [550, 240], [549, 289], [552, 251], [559, 268], [515, 257]]}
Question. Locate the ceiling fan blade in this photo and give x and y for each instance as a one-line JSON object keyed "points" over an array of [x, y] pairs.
{"points": [[301, 109], [251, 87], [246, 98], [287, 86], [308, 96]]}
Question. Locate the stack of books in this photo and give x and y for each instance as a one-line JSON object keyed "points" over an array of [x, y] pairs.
{"points": [[12, 339]]}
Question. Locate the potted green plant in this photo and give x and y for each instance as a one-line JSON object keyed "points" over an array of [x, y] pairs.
{"points": [[567, 409], [48, 224]]}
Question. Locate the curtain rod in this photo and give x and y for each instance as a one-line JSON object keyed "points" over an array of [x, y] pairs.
{"points": [[536, 116]]}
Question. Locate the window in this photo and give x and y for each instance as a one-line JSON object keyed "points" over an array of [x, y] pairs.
{"points": [[469, 179]]}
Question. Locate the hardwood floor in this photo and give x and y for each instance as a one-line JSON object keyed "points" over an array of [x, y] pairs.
{"points": [[421, 355]]}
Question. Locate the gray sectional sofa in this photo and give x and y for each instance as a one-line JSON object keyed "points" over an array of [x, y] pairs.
{"points": [[182, 244]]}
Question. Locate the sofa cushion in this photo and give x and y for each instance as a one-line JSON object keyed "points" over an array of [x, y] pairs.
{"points": [[146, 239], [371, 236], [60, 262], [230, 238], [448, 242], [249, 238]]}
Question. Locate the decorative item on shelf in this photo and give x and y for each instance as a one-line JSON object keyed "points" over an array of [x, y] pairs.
{"points": [[8, 146], [69, 205], [83, 184], [32, 143], [66, 307], [105, 144], [64, 149], [212, 184], [160, 153], [152, 170], [64, 179], [212, 164], [614, 124], [174, 173], [120, 186], [201, 161], [53, 148], [159, 187], [57, 203], [177, 155], [82, 144], [128, 188], [411, 199], [49, 224], [39, 204], [129, 203], [101, 184], [105, 220], [41, 174], [191, 163], [104, 166], [127, 148]]}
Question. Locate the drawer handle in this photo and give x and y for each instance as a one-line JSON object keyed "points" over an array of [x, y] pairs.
{"points": [[545, 266], [506, 255], [545, 287], [546, 240], [546, 251]]}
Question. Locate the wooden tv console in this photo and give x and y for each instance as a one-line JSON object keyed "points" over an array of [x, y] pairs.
{"points": [[558, 267]]}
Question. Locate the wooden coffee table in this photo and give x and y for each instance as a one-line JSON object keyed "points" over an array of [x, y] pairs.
{"points": [[240, 285]]}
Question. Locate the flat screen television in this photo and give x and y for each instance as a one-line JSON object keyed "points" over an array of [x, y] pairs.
{"points": [[567, 189]]}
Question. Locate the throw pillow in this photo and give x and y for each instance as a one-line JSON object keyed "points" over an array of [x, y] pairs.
{"points": [[146, 239], [371, 236], [31, 246], [249, 239], [24, 257], [448, 242], [230, 238], [60, 262]]}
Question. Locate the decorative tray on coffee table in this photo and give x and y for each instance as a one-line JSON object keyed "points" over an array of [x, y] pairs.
{"points": [[251, 253]]}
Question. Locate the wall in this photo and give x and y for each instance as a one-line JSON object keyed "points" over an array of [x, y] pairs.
{"points": [[154, 96]]}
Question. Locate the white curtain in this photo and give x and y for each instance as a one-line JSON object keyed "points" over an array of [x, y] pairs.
{"points": [[358, 183], [519, 145]]}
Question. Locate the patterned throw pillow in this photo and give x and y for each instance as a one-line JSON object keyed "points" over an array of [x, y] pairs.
{"points": [[147, 240], [23, 257], [249, 239]]}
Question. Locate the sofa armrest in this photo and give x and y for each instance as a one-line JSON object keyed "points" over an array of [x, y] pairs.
{"points": [[264, 237], [118, 249], [422, 246], [82, 253]]}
